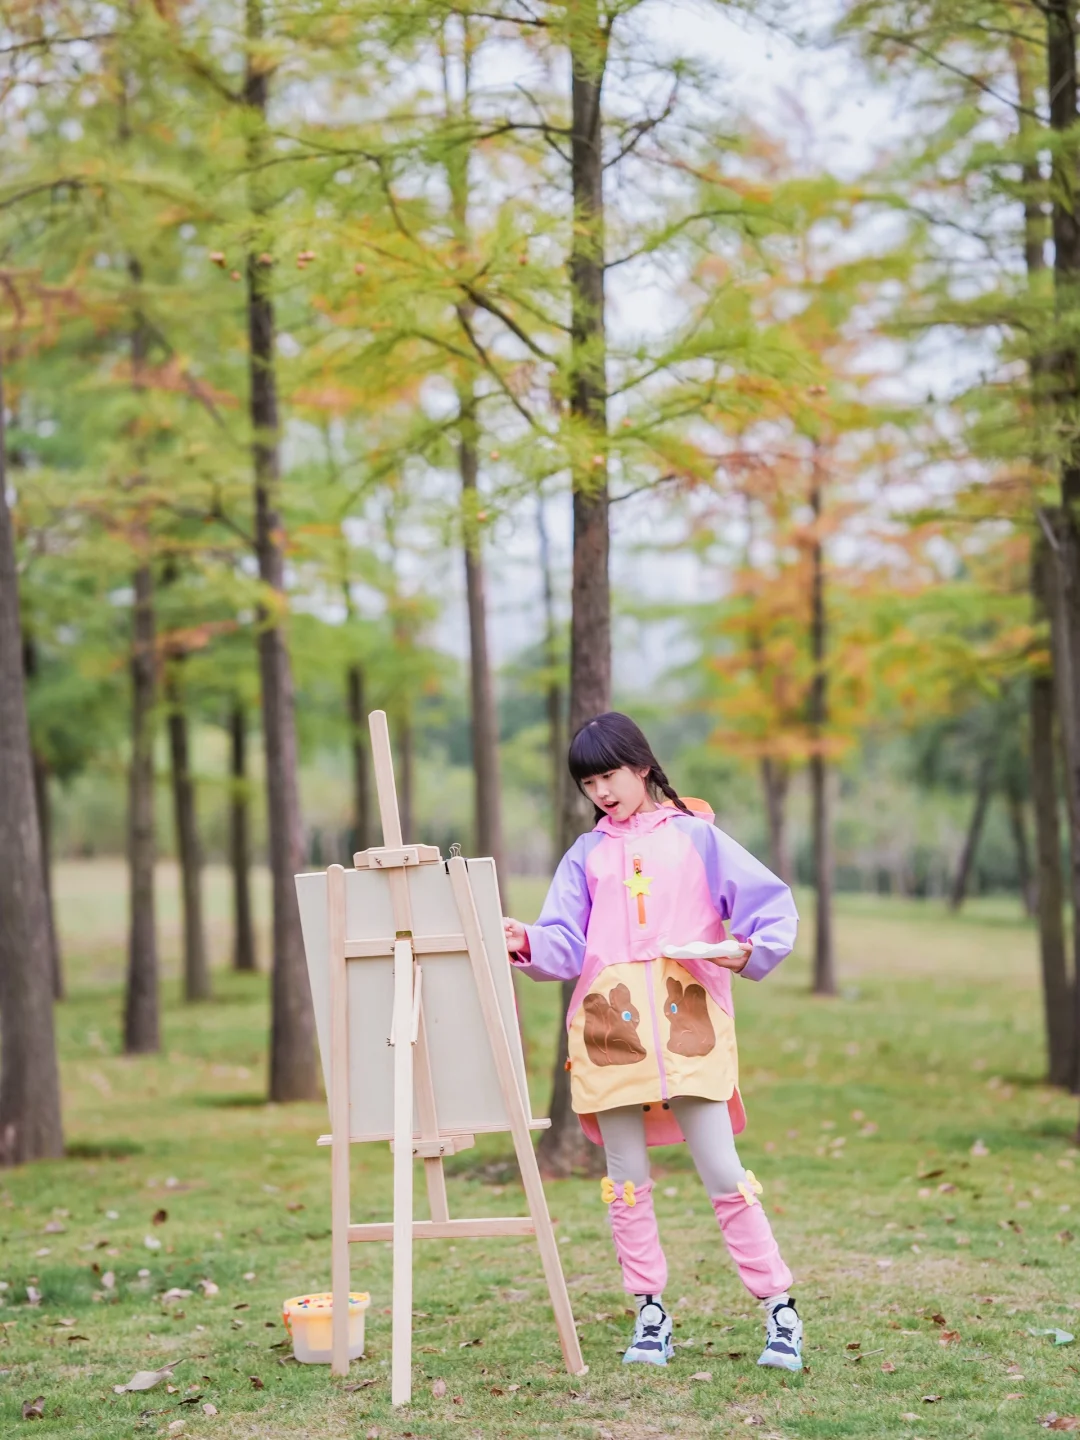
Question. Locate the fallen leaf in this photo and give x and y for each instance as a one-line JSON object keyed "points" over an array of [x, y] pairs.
{"points": [[1061, 1337], [496, 1391], [1066, 1236], [373, 1433], [360, 1385], [439, 1389], [888, 1367], [938, 1319], [176, 1425], [108, 1281], [175, 1294], [209, 1409], [66, 1321], [34, 1409], [735, 1354], [146, 1379], [948, 1337], [980, 1148], [72, 1338], [705, 1375], [464, 1344], [33, 1295], [295, 1205], [151, 1242], [929, 1174], [512, 1388], [208, 1288], [931, 1399], [853, 1345], [242, 1306], [1014, 1395], [172, 1389], [53, 1228], [908, 1415], [159, 1217], [1060, 1422]]}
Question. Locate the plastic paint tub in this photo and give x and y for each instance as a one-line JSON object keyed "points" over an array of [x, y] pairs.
{"points": [[309, 1321]]}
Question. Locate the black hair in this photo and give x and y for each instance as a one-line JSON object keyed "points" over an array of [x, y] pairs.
{"points": [[609, 741]]}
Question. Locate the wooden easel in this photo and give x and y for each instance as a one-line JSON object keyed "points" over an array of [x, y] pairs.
{"points": [[412, 1081]]}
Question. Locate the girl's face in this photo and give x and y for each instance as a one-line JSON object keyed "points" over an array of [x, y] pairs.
{"points": [[619, 793]]}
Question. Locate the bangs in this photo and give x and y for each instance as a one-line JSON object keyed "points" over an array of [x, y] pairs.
{"points": [[602, 745]]}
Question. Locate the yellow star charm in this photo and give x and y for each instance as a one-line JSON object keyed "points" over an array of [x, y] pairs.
{"points": [[639, 884]]}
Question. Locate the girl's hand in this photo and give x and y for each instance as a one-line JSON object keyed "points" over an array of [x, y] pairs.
{"points": [[734, 962], [514, 931]]}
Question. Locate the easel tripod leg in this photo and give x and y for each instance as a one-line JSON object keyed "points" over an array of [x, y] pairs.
{"points": [[401, 1350], [339, 1122]]}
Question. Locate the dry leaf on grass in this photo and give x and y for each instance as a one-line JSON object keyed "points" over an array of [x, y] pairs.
{"points": [[948, 1337], [1014, 1395], [938, 1318], [359, 1385], [159, 1217], [146, 1379], [33, 1295], [705, 1375], [439, 1389], [208, 1288], [209, 1409], [888, 1367], [464, 1344], [853, 1345], [1060, 1422], [931, 1399], [34, 1409], [374, 1433], [256, 1382]]}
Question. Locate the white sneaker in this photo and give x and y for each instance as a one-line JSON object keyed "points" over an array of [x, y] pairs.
{"points": [[783, 1338], [651, 1343]]}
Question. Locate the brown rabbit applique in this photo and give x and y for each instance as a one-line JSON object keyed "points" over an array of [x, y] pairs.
{"points": [[611, 1036], [687, 1010]]}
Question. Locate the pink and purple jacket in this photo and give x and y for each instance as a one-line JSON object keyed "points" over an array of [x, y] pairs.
{"points": [[620, 894]]}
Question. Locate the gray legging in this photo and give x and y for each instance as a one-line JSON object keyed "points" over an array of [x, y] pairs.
{"points": [[707, 1127]]}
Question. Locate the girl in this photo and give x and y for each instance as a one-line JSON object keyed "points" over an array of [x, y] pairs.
{"points": [[652, 1055]]}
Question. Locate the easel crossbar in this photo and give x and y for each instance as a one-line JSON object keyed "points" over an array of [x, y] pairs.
{"points": [[492, 1227]]}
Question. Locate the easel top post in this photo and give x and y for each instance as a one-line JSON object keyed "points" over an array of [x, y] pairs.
{"points": [[383, 763]]}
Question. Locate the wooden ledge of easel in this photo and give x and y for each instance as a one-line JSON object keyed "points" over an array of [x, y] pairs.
{"points": [[383, 857], [444, 1145], [388, 1135], [422, 945], [491, 1227]]}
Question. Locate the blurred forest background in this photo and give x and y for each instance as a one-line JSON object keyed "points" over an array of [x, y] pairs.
{"points": [[496, 364]]}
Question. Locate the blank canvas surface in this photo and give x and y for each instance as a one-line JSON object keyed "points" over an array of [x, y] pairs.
{"points": [[467, 1094]]}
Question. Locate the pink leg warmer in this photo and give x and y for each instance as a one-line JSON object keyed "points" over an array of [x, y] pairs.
{"points": [[750, 1241], [637, 1241]]}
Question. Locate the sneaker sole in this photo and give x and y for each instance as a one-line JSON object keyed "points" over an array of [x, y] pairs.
{"points": [[649, 1359], [793, 1366]]}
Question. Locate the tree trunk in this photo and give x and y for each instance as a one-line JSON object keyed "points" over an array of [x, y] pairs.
{"points": [[141, 1025], [485, 724], [30, 1126], [244, 957], [824, 982], [404, 770], [44, 815], [293, 1073], [1065, 226], [563, 1148], [188, 849], [775, 781], [358, 740], [553, 690], [1050, 887], [983, 791], [1018, 825]]}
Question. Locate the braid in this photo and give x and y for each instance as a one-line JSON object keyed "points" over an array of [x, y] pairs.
{"points": [[659, 780]]}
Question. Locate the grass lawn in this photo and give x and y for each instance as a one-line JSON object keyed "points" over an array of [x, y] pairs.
{"points": [[919, 1174]]}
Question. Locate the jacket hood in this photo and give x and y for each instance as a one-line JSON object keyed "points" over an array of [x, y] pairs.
{"points": [[644, 824]]}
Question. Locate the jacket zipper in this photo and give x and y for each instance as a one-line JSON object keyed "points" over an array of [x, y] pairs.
{"points": [[656, 1029]]}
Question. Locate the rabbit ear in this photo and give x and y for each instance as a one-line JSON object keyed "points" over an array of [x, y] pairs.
{"points": [[620, 996], [674, 988]]}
